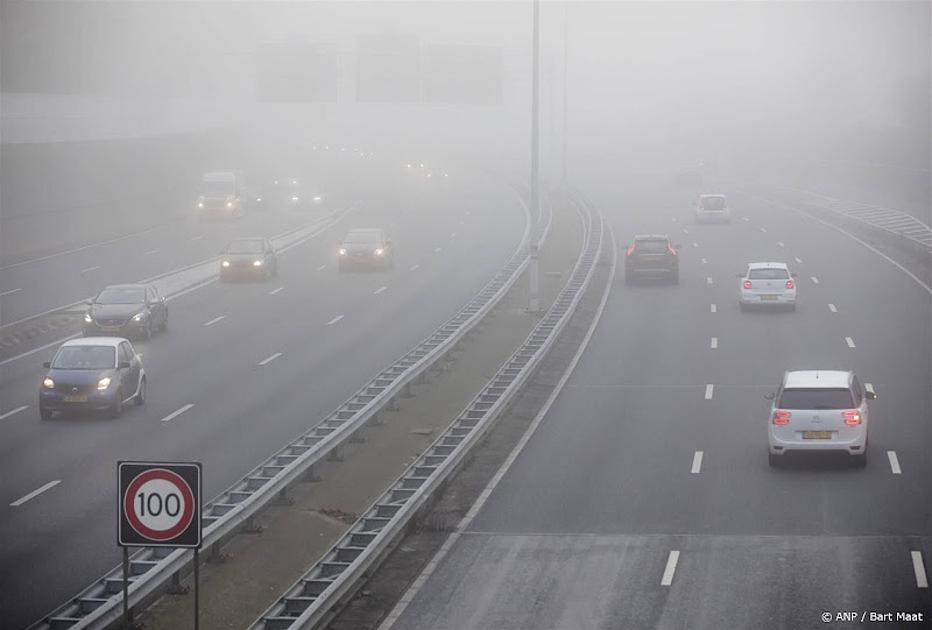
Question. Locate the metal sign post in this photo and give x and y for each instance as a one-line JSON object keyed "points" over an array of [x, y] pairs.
{"points": [[159, 506]]}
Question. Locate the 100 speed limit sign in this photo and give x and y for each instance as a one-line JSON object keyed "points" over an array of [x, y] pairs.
{"points": [[160, 504]]}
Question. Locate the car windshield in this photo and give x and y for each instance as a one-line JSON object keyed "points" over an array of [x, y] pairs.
{"points": [[768, 274], [217, 188], [245, 247], [816, 398], [363, 238], [125, 295], [652, 246], [85, 358], [713, 204]]}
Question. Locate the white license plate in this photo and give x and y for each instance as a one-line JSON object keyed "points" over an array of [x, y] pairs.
{"points": [[76, 398], [768, 298]]}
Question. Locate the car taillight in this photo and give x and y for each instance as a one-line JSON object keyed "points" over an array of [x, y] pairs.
{"points": [[670, 250], [781, 417], [789, 284], [630, 250], [747, 284], [852, 417]]}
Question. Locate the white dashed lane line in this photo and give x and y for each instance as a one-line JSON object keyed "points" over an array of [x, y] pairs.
{"points": [[151, 251], [780, 244], [713, 308], [695, 244], [380, 290], [763, 229], [745, 219], [35, 493], [919, 569], [268, 360], [89, 269], [334, 320], [214, 320], [321, 268], [704, 261], [670, 569], [814, 280], [870, 387], [437, 250], [274, 291], [798, 260], [708, 391], [697, 463], [832, 308], [850, 342], [708, 280], [453, 235], [414, 267], [674, 219], [197, 238], [713, 344], [10, 291], [177, 413], [685, 231], [13, 412], [894, 463]]}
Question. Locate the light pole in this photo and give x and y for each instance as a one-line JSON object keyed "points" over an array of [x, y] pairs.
{"points": [[534, 267]]}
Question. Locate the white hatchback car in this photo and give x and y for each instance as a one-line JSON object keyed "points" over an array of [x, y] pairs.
{"points": [[819, 410], [712, 209], [767, 284]]}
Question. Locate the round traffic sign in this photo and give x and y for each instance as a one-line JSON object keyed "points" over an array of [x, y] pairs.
{"points": [[159, 504]]}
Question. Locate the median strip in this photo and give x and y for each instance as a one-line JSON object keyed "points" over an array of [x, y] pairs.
{"points": [[35, 493]]}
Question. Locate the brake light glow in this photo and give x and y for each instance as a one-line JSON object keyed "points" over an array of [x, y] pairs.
{"points": [[670, 250], [747, 284], [852, 417], [781, 417], [630, 250], [789, 284]]}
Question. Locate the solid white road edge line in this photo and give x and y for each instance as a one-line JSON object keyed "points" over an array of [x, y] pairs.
{"points": [[57, 342], [35, 493], [919, 568], [268, 360], [454, 536], [13, 291], [379, 290], [670, 569], [13, 411], [177, 413], [214, 320], [334, 320], [697, 463]]}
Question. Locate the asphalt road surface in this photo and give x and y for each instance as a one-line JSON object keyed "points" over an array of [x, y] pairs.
{"points": [[243, 369], [645, 500]]}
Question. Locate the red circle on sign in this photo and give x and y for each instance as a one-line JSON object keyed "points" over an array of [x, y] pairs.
{"points": [[186, 494]]}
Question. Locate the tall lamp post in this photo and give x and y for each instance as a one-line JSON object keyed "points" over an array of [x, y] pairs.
{"points": [[534, 267]]}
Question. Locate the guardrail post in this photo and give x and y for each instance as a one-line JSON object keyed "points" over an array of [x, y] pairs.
{"points": [[336, 455], [357, 437], [250, 526], [283, 498], [406, 392], [175, 587], [215, 556], [311, 475]]}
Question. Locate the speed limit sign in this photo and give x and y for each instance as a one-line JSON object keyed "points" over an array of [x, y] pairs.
{"points": [[160, 504]]}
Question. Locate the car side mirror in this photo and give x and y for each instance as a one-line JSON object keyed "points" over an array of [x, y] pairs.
{"points": [[46, 364], [870, 395], [124, 365], [770, 396]]}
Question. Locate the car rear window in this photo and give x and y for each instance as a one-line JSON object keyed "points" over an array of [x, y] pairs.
{"points": [[816, 398], [652, 246], [768, 274], [713, 204], [85, 358]]}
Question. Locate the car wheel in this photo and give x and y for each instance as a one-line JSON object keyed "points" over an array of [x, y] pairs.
{"points": [[147, 332], [140, 398], [116, 409], [45, 413], [773, 460]]}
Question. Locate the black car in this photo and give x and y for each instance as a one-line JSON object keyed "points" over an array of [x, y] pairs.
{"points": [[126, 310], [366, 247], [652, 256], [248, 257], [96, 373]]}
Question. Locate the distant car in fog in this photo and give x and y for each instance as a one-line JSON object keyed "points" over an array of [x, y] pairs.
{"points": [[712, 209], [126, 309], [225, 194], [767, 284], [819, 410], [652, 256], [366, 247], [96, 373], [292, 193], [252, 257]]}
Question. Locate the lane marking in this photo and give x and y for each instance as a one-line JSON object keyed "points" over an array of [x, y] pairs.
{"points": [[798, 260], [894, 463], [919, 568], [453, 235], [322, 267], [150, 252], [35, 493], [197, 238], [814, 279], [708, 391], [695, 244], [697, 463], [685, 231], [745, 219], [89, 269], [437, 250], [414, 267], [704, 261], [274, 291], [268, 360], [850, 342], [13, 411], [10, 291], [334, 320], [78, 249], [214, 320], [177, 413], [714, 343], [708, 280], [670, 569], [780, 244], [832, 308], [379, 290], [763, 229], [674, 219], [713, 308]]}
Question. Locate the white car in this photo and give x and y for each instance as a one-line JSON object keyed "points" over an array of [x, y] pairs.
{"points": [[767, 284], [712, 209], [819, 410]]}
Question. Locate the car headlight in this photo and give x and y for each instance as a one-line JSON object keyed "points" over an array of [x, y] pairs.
{"points": [[48, 383], [88, 319], [200, 204], [296, 198], [318, 199], [379, 251], [258, 199], [229, 204], [257, 263], [103, 383], [225, 263], [342, 251], [138, 317]]}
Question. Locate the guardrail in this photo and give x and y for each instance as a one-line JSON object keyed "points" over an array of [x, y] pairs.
{"points": [[152, 568], [313, 600]]}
